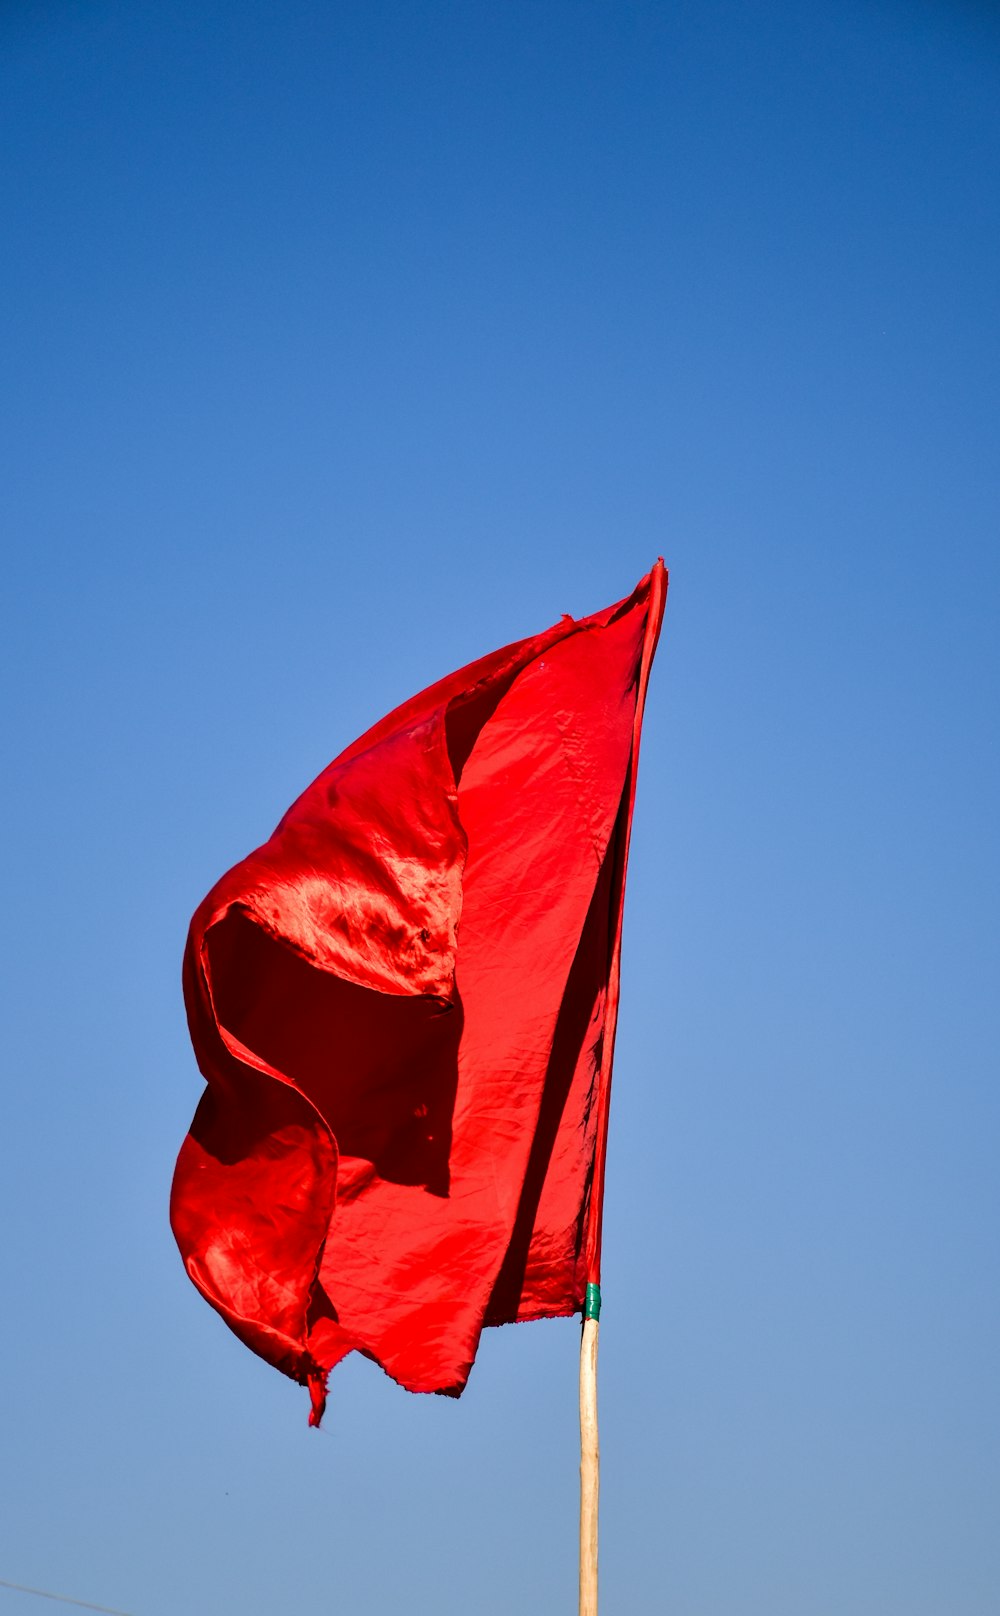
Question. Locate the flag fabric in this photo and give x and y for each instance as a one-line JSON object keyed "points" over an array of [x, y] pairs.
{"points": [[404, 1006]]}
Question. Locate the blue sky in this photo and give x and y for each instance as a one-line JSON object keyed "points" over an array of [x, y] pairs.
{"points": [[341, 344]]}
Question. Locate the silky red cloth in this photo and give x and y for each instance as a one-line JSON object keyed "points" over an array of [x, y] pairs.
{"points": [[404, 1006]]}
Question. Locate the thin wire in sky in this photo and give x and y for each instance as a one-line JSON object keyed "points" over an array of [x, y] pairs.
{"points": [[62, 1599]]}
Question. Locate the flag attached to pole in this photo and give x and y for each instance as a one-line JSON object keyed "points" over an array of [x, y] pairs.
{"points": [[404, 1007]]}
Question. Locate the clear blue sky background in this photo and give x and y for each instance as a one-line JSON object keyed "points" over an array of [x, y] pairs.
{"points": [[342, 343]]}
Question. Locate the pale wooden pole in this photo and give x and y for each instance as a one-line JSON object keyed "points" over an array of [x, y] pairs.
{"points": [[589, 1452], [590, 1461]]}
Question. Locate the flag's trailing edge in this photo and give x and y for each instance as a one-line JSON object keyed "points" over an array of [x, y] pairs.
{"points": [[404, 1005]]}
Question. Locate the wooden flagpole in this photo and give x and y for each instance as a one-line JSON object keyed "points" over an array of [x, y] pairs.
{"points": [[589, 1451], [590, 1459]]}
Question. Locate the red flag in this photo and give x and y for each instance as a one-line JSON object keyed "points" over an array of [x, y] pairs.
{"points": [[404, 1006]]}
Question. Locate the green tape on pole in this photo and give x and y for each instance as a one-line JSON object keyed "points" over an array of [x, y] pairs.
{"points": [[592, 1302]]}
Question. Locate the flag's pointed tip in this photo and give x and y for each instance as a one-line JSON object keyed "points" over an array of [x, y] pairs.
{"points": [[317, 1393], [656, 584]]}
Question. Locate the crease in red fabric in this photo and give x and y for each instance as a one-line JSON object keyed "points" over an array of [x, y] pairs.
{"points": [[404, 1006]]}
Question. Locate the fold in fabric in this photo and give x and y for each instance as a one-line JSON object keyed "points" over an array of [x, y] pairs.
{"points": [[404, 1008]]}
